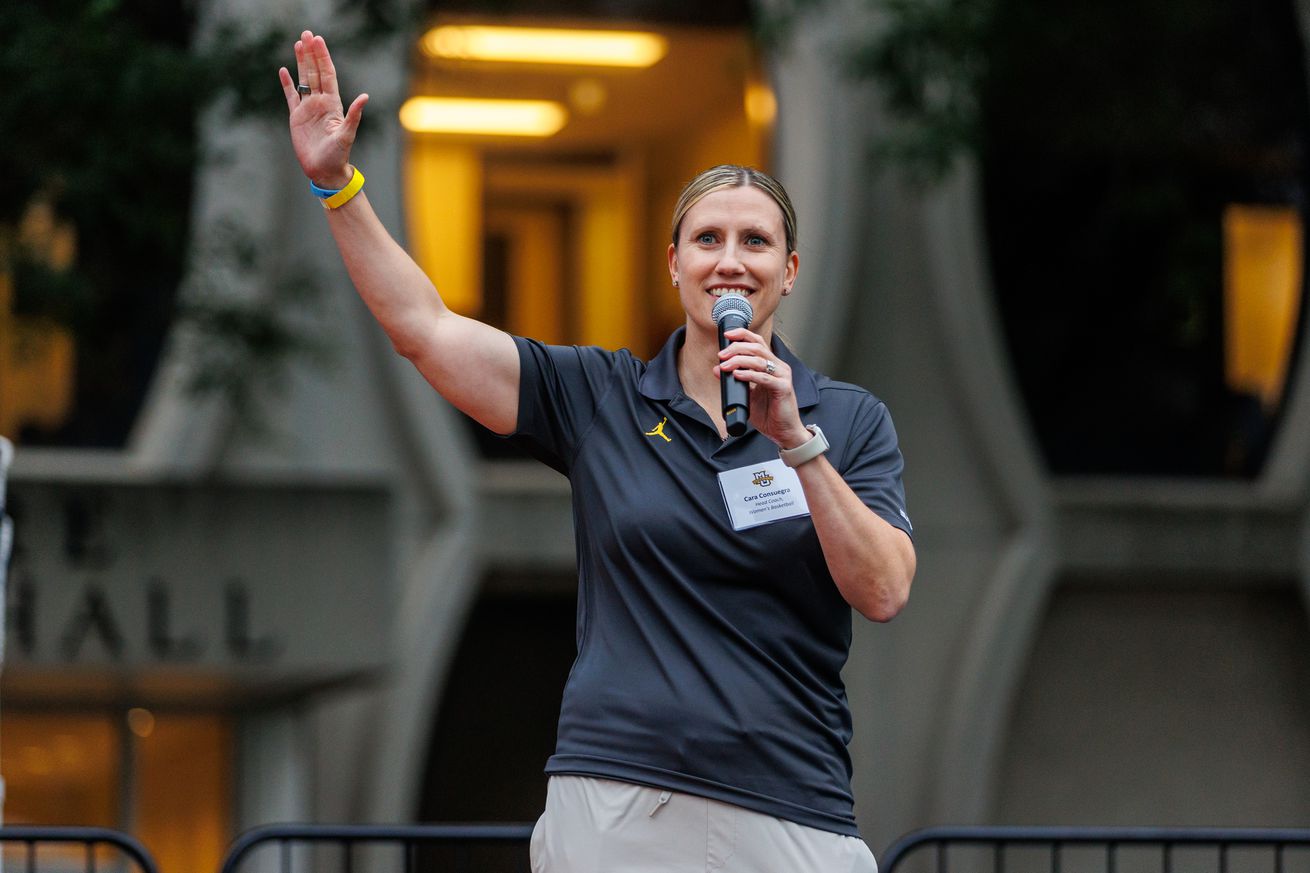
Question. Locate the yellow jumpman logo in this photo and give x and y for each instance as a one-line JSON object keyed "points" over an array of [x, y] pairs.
{"points": [[658, 430]]}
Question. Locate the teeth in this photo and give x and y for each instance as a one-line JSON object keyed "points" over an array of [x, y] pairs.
{"points": [[719, 292]]}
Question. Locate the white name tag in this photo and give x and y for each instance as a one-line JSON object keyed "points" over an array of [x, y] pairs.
{"points": [[762, 493]]}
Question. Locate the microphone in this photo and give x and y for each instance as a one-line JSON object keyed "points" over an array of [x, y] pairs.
{"points": [[732, 310]]}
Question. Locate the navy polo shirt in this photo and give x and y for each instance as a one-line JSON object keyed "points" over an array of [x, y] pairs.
{"points": [[709, 659]]}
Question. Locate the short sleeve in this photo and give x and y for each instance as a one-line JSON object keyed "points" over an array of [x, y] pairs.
{"points": [[560, 390], [873, 464]]}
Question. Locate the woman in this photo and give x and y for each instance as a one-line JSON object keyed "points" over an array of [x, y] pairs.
{"points": [[704, 724]]}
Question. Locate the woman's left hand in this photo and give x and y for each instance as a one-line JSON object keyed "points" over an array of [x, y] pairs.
{"points": [[774, 410], [872, 563]]}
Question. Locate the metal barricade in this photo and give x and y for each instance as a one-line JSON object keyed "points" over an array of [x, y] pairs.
{"points": [[1099, 850], [103, 850], [405, 848]]}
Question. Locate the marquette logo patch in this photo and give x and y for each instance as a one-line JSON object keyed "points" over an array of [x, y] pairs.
{"points": [[658, 430], [762, 478]]}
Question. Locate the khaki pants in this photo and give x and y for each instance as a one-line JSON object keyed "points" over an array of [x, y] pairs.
{"points": [[601, 826]]}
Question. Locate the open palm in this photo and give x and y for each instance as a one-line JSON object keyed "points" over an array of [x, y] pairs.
{"points": [[321, 134]]}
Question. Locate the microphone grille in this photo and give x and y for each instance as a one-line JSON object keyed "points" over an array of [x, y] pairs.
{"points": [[730, 304]]}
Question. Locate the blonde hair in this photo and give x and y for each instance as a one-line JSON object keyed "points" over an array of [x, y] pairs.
{"points": [[734, 176]]}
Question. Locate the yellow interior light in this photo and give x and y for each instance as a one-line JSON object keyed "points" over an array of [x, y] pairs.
{"points": [[494, 117], [1263, 273], [545, 45], [761, 105]]}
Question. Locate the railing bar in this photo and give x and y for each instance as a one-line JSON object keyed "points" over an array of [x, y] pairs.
{"points": [[939, 842], [1165, 839], [349, 847]]}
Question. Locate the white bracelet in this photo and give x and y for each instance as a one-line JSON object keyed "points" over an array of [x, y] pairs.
{"points": [[807, 451]]}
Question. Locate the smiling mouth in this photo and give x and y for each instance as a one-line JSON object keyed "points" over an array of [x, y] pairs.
{"points": [[720, 291]]}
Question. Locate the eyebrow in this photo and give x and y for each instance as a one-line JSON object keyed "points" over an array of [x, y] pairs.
{"points": [[752, 230]]}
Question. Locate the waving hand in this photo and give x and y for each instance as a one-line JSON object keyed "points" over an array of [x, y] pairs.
{"points": [[321, 133]]}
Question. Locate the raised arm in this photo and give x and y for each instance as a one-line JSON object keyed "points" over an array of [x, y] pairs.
{"points": [[471, 364]]}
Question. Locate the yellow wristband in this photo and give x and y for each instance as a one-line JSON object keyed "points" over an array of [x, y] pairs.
{"points": [[353, 187]]}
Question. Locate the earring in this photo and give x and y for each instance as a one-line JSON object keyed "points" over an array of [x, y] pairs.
{"points": [[675, 283]]}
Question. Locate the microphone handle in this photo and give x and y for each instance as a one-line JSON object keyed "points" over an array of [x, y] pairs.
{"points": [[735, 393]]}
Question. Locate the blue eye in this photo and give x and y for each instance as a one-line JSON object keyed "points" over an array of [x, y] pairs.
{"points": [[705, 238], [756, 240]]}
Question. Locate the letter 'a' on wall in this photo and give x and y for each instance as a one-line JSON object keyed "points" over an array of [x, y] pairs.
{"points": [[1144, 193]]}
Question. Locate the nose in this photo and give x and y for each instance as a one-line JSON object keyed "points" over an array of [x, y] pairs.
{"points": [[729, 262]]}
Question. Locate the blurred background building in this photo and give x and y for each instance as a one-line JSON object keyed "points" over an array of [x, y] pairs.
{"points": [[262, 573]]}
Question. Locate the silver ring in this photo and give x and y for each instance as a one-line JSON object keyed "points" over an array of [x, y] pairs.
{"points": [[770, 367], [302, 89]]}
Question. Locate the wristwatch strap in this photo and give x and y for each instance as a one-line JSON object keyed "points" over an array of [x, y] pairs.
{"points": [[806, 451]]}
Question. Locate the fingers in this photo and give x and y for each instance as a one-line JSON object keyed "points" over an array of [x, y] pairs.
{"points": [[756, 369], [754, 365], [327, 71], [750, 359], [746, 345], [288, 88], [301, 61], [742, 334], [315, 70], [314, 63], [307, 62], [355, 114]]}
